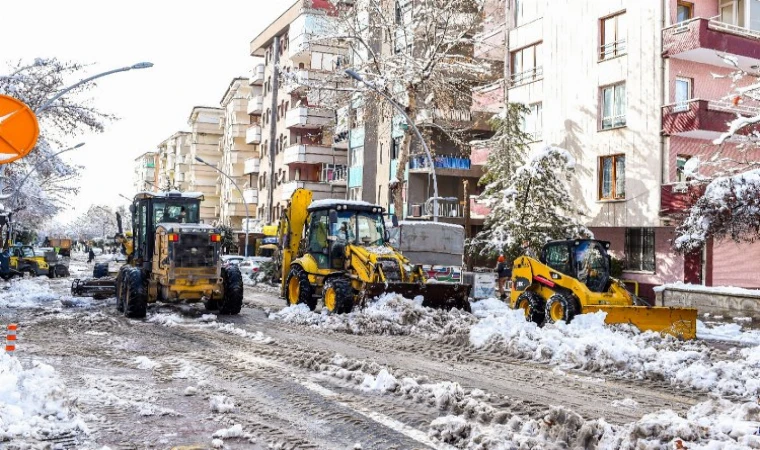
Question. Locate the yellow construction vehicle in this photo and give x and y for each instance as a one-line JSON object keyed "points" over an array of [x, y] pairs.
{"points": [[339, 251], [24, 259], [573, 277], [170, 257]]}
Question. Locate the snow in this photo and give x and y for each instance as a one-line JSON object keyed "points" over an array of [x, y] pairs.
{"points": [[427, 224], [332, 203], [731, 332], [221, 404], [728, 290], [34, 401], [232, 432], [28, 293], [145, 363]]}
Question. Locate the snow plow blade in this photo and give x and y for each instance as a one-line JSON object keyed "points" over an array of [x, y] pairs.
{"points": [[435, 295], [94, 287], [679, 322]]}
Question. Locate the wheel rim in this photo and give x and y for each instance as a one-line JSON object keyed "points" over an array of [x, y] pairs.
{"points": [[557, 312], [525, 306], [330, 299], [294, 289]]}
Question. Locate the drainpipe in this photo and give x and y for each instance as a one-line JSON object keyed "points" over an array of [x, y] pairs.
{"points": [[663, 90], [273, 122]]}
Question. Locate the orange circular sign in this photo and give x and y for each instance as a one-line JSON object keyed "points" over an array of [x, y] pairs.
{"points": [[19, 129]]}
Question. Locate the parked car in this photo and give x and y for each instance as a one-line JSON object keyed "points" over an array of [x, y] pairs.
{"points": [[232, 259], [252, 265]]}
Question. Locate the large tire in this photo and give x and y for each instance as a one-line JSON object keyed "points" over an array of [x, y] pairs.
{"points": [[298, 288], [338, 295], [121, 288], [100, 270], [232, 280], [533, 305], [559, 307], [136, 304]]}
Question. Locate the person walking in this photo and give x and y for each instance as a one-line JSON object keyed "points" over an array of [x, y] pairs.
{"points": [[504, 273], [91, 256]]}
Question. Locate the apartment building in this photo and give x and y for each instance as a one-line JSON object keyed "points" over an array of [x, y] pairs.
{"points": [[236, 151], [205, 138], [290, 118], [634, 89], [146, 175], [172, 161]]}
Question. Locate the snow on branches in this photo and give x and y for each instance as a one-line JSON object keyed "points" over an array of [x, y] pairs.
{"points": [[535, 206]]}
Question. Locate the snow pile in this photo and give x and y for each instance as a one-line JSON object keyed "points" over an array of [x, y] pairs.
{"points": [[221, 404], [145, 363], [731, 332], [588, 343], [232, 432], [167, 320], [389, 314], [232, 329], [27, 293], [33, 402]]}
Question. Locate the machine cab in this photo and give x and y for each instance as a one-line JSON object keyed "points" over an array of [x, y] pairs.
{"points": [[584, 259]]}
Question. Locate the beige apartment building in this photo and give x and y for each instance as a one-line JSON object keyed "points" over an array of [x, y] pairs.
{"points": [[172, 161], [295, 122], [146, 174], [205, 138], [235, 151]]}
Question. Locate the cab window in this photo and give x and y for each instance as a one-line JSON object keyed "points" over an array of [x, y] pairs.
{"points": [[558, 258]]}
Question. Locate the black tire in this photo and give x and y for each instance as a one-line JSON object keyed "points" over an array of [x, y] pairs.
{"points": [[100, 270], [232, 281], [136, 299], [533, 305], [121, 288], [305, 292], [343, 300], [559, 307]]}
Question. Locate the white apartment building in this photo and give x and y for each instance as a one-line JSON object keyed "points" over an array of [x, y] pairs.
{"points": [[172, 163], [146, 174]]}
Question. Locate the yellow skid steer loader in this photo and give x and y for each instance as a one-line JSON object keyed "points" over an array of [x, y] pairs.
{"points": [[573, 277]]}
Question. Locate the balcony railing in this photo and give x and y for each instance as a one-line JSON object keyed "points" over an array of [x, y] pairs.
{"points": [[612, 49], [308, 117], [337, 176], [677, 198], [703, 119], [251, 196], [682, 39], [251, 165], [445, 209], [255, 105], [527, 76], [440, 162], [253, 135], [257, 75]]}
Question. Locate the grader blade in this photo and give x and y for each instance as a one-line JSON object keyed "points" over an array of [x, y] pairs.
{"points": [[435, 295], [94, 287], [679, 322]]}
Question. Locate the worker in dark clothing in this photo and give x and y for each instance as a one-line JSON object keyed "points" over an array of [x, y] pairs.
{"points": [[91, 256], [504, 273]]}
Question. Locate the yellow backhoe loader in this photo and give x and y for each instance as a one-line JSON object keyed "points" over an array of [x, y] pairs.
{"points": [[339, 251], [170, 257], [573, 277]]}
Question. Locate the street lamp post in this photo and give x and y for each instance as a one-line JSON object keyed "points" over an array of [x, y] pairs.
{"points": [[142, 65], [245, 203], [353, 74]]}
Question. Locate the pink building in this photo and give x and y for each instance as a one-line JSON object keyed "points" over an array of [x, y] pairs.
{"points": [[634, 90]]}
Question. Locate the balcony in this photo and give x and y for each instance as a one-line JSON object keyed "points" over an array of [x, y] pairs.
{"points": [[308, 117], [301, 80], [337, 177], [255, 105], [257, 76], [251, 196], [677, 198], [238, 130], [238, 209], [445, 166], [307, 34], [702, 40], [703, 119], [320, 191], [251, 165], [253, 134], [313, 154]]}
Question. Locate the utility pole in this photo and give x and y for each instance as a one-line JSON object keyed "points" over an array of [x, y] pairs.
{"points": [[273, 122], [467, 226]]}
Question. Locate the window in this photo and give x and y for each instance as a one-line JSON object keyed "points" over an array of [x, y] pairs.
{"points": [[732, 12], [525, 11], [684, 11], [639, 249], [333, 172], [613, 106], [398, 13], [355, 193], [395, 148], [526, 64], [683, 94], [613, 36], [532, 122], [680, 164], [612, 177], [357, 156]]}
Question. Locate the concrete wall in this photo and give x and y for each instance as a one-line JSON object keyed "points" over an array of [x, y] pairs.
{"points": [[432, 243], [732, 305]]}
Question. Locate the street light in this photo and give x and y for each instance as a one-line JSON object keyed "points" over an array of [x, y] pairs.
{"points": [[142, 65], [26, 177], [245, 204], [351, 73]]}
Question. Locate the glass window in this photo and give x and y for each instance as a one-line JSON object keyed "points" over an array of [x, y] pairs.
{"points": [[680, 164], [532, 122], [684, 11], [526, 64], [558, 258], [613, 35], [175, 213], [363, 228], [612, 177], [591, 265], [613, 106], [683, 93], [639, 249]]}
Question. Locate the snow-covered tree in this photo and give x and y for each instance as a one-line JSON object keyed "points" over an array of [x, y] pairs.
{"points": [[729, 208], [49, 177], [99, 221], [420, 54], [534, 206]]}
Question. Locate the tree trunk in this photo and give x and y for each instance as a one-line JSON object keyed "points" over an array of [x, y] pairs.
{"points": [[403, 157]]}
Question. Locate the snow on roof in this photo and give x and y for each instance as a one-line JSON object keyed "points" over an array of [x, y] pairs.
{"points": [[428, 223], [331, 203], [186, 226], [145, 194]]}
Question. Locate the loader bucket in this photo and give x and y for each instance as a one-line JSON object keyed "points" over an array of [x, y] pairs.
{"points": [[435, 295], [98, 288], [679, 322]]}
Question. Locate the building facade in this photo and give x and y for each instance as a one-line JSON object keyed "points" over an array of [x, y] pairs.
{"points": [[146, 173], [172, 162], [206, 126], [633, 94]]}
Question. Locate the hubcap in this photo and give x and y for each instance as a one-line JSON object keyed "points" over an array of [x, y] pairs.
{"points": [[330, 299], [557, 312], [293, 291], [525, 306]]}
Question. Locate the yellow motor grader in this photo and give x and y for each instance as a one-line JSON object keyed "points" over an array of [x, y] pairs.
{"points": [[339, 251], [171, 257], [573, 277]]}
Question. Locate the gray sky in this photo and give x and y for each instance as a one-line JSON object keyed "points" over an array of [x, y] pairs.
{"points": [[197, 48]]}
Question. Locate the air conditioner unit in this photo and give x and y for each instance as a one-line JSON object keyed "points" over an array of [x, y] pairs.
{"points": [[416, 210], [680, 188]]}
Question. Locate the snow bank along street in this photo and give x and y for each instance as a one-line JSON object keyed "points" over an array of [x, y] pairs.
{"points": [[394, 375]]}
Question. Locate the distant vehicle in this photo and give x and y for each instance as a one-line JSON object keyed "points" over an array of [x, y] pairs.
{"points": [[252, 265], [232, 259], [64, 245]]}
